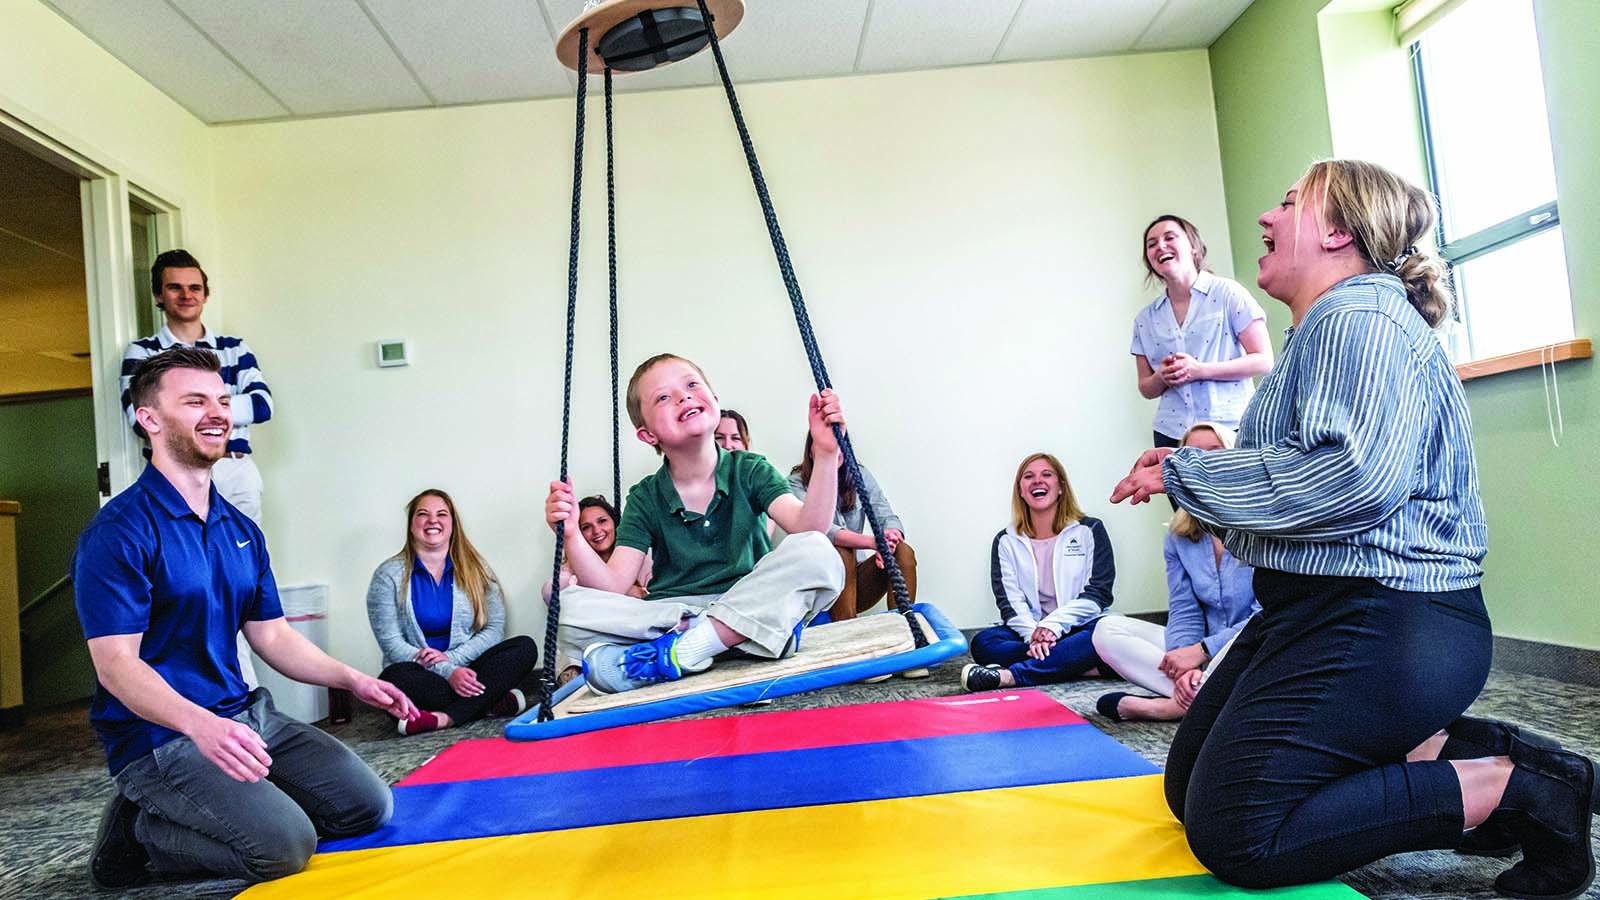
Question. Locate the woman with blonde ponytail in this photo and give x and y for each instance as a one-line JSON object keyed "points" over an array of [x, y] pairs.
{"points": [[1209, 600], [437, 611], [1332, 734]]}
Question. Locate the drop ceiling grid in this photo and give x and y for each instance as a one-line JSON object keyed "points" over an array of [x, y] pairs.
{"points": [[235, 60], [797, 40], [317, 56], [1048, 29], [153, 39], [1190, 23], [471, 51], [914, 34]]}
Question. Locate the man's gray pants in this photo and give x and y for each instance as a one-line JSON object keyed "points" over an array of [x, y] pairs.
{"points": [[194, 818]]}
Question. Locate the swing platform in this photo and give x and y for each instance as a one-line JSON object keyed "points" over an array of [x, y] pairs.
{"points": [[831, 654]]}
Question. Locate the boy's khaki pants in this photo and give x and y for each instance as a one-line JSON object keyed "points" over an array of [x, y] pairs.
{"points": [[790, 585]]}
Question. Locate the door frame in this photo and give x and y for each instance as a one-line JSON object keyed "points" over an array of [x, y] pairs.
{"points": [[105, 192]]}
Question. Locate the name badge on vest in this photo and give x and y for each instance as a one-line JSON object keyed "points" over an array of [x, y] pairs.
{"points": [[1073, 548]]}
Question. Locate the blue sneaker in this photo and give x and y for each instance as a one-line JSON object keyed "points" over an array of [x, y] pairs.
{"points": [[614, 668], [792, 646]]}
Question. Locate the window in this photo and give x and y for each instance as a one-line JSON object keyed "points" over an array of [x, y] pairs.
{"points": [[1487, 138]]}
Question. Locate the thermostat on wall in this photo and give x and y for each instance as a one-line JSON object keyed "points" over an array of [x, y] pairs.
{"points": [[393, 353]]}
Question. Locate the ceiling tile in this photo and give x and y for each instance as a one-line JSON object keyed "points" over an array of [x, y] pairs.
{"points": [[42, 295], [773, 41], [920, 34], [1051, 29], [64, 332], [796, 40], [470, 51], [52, 226], [151, 38], [236, 60], [317, 56], [27, 373], [1191, 23]]}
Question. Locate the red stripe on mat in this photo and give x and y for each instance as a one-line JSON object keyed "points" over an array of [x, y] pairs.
{"points": [[751, 733]]}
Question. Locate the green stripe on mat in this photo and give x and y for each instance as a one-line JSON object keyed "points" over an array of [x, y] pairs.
{"points": [[1186, 886]]}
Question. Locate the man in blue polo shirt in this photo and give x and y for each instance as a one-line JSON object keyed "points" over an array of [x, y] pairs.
{"points": [[211, 778]]}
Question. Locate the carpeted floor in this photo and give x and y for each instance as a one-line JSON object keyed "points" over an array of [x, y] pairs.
{"points": [[55, 783]]}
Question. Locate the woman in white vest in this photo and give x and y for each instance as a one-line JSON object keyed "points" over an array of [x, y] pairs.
{"points": [[1052, 571]]}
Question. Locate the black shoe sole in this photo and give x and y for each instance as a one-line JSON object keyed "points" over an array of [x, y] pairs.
{"points": [[1569, 895]]}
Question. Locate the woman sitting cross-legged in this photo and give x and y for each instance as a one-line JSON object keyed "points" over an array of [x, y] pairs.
{"points": [[1210, 598], [1052, 571], [437, 611]]}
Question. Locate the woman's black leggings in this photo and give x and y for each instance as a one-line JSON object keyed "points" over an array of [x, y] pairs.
{"points": [[1290, 766], [500, 668]]}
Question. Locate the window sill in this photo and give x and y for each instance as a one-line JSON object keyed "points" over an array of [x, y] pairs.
{"points": [[1578, 348]]}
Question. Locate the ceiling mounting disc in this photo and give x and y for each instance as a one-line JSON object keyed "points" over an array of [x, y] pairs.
{"points": [[635, 35]]}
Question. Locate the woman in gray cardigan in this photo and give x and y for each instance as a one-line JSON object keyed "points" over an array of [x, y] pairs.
{"points": [[864, 581], [438, 613]]}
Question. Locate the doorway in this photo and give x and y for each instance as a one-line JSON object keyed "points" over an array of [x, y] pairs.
{"points": [[77, 235], [48, 460]]}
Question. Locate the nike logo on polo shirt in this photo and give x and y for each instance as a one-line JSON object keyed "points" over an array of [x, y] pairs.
{"points": [[241, 544]]}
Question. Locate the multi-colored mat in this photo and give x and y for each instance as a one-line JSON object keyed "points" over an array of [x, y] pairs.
{"points": [[1005, 795]]}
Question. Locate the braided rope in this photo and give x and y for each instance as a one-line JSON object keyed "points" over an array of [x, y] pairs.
{"points": [[547, 680], [808, 338], [611, 254]]}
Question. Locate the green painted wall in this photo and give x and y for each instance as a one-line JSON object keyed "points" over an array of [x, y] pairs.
{"points": [[47, 461], [1273, 119]]}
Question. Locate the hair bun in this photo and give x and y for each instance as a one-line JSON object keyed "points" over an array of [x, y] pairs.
{"points": [[1426, 280]]}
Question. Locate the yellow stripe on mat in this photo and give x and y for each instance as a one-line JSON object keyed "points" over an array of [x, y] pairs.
{"points": [[1009, 839]]}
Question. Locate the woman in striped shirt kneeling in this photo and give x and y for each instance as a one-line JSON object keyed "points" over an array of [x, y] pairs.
{"points": [[1332, 734]]}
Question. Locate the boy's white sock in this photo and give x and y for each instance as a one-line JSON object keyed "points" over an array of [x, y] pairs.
{"points": [[699, 644]]}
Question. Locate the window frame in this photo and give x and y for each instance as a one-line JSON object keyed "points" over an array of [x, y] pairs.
{"points": [[1485, 240]]}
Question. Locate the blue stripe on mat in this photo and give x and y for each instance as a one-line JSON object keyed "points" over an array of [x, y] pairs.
{"points": [[726, 784]]}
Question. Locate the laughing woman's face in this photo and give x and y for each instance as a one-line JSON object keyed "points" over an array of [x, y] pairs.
{"points": [[1039, 486]]}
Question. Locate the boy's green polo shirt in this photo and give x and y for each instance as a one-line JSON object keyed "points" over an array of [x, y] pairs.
{"points": [[696, 553]]}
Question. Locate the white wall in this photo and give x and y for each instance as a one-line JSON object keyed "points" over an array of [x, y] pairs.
{"points": [[968, 241]]}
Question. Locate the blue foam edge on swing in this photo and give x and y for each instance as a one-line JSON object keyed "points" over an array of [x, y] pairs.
{"points": [[950, 643]]}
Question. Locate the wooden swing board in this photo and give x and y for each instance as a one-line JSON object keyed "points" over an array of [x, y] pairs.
{"points": [[831, 654]]}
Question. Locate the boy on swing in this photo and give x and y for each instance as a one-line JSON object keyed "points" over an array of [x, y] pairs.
{"points": [[718, 584]]}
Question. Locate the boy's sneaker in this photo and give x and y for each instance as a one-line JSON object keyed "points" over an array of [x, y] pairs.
{"points": [[980, 678], [614, 668], [792, 646], [119, 861], [915, 673], [509, 705]]}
